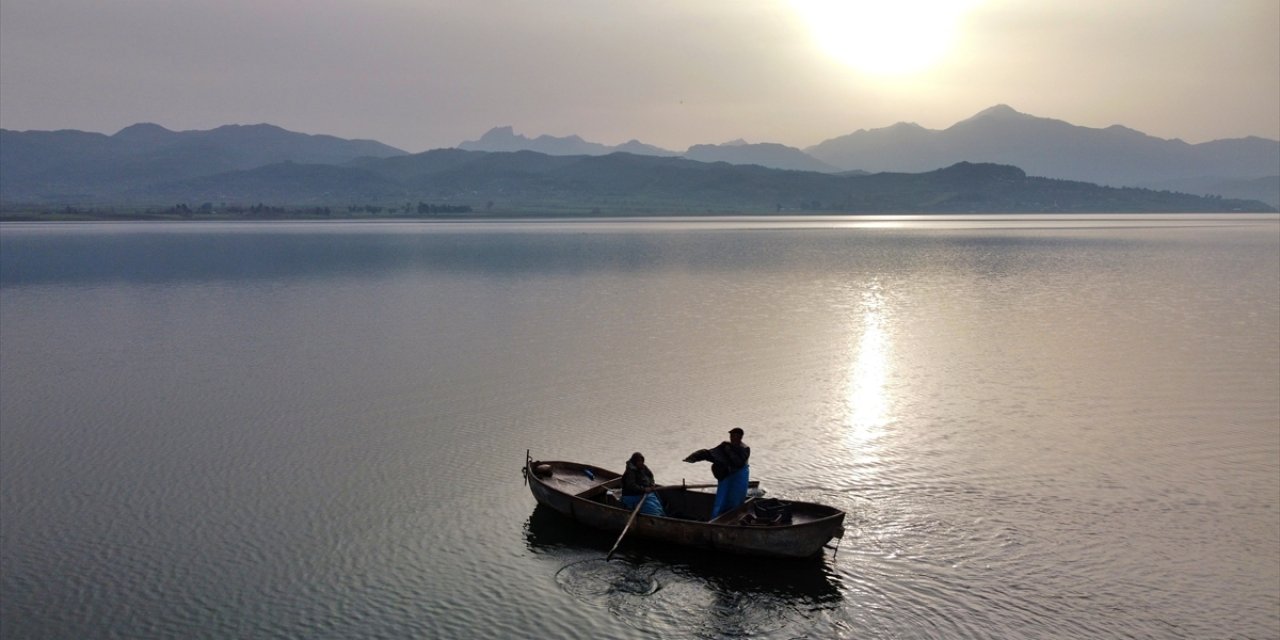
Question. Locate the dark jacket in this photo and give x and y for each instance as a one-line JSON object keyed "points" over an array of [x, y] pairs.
{"points": [[725, 458], [636, 479]]}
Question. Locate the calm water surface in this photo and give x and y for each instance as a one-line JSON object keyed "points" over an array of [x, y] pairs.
{"points": [[1040, 428]]}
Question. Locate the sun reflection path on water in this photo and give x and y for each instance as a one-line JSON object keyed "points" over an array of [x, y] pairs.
{"points": [[867, 405]]}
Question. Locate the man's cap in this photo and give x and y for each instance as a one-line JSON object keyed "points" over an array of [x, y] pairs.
{"points": [[737, 430]]}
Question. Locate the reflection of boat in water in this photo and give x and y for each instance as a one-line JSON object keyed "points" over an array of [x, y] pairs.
{"points": [[581, 492]]}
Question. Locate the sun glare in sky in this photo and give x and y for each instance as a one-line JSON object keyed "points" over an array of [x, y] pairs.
{"points": [[883, 37]]}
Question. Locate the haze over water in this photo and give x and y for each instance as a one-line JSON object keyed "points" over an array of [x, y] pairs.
{"points": [[1039, 427]]}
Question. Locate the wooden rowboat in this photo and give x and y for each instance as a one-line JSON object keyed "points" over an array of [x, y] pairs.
{"points": [[581, 492]]}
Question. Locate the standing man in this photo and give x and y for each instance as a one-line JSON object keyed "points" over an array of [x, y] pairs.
{"points": [[729, 465]]}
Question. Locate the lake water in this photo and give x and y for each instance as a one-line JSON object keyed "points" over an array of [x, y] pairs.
{"points": [[1039, 427]]}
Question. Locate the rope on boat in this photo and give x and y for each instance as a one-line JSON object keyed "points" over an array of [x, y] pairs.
{"points": [[836, 549]]}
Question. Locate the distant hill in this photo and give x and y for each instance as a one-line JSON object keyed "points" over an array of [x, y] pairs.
{"points": [[775, 156], [147, 165], [621, 183], [506, 139], [1262, 189], [61, 165], [1246, 168], [1116, 155]]}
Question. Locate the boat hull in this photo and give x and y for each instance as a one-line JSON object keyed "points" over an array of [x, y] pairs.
{"points": [[566, 487]]}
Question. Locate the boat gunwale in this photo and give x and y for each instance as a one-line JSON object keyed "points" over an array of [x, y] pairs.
{"points": [[836, 513]]}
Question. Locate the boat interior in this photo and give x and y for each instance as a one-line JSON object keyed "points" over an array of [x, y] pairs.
{"points": [[681, 502]]}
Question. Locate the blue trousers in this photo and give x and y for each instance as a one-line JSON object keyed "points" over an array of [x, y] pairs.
{"points": [[652, 506], [731, 491]]}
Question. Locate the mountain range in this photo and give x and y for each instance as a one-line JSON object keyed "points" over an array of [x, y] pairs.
{"points": [[915, 169], [69, 165], [1114, 156], [771, 155]]}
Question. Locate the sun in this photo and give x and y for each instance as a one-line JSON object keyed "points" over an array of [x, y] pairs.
{"points": [[885, 37]]}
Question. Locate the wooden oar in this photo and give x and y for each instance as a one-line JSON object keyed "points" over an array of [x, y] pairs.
{"points": [[634, 512], [645, 495], [750, 485]]}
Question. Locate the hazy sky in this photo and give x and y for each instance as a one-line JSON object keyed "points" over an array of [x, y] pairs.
{"points": [[421, 74]]}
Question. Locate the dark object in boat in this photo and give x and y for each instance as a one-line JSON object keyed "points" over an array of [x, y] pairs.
{"points": [[768, 512]]}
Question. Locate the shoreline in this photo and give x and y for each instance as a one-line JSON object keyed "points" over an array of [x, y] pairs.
{"points": [[508, 216]]}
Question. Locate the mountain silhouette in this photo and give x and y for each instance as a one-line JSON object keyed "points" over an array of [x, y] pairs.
{"points": [[621, 184], [506, 139], [37, 164], [1115, 156], [772, 155], [146, 165]]}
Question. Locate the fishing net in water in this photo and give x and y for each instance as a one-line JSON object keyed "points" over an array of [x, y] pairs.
{"points": [[595, 580]]}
